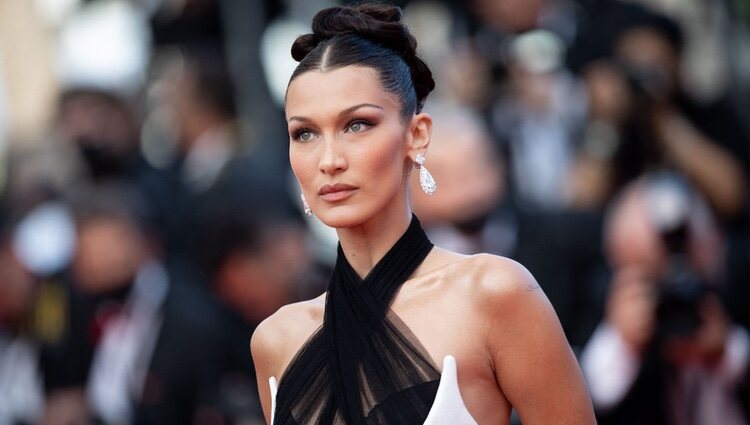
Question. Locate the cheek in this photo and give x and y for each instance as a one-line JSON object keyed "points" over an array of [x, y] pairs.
{"points": [[379, 164], [383, 158], [303, 165]]}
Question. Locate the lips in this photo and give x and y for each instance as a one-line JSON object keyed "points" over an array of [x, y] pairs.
{"points": [[336, 192]]}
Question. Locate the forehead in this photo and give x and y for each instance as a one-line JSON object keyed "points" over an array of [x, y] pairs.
{"points": [[318, 93]]}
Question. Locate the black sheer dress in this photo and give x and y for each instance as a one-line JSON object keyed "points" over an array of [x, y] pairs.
{"points": [[363, 365]]}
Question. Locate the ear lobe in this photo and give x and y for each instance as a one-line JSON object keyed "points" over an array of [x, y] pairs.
{"points": [[420, 132]]}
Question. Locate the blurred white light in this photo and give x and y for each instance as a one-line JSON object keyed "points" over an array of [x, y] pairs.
{"points": [[4, 113], [54, 12], [4, 119], [431, 23], [276, 57], [669, 199], [105, 45], [45, 239], [538, 51]]}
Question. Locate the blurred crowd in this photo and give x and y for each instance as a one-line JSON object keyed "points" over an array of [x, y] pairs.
{"points": [[149, 219]]}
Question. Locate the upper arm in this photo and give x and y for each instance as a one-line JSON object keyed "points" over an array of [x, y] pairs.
{"points": [[533, 362], [264, 346]]}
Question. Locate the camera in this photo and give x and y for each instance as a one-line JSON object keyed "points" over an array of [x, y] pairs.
{"points": [[679, 299], [646, 83], [681, 289]]}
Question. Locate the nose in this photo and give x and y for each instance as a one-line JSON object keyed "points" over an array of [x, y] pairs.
{"points": [[332, 160]]}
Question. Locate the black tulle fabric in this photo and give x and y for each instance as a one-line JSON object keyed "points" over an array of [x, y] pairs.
{"points": [[363, 366]]}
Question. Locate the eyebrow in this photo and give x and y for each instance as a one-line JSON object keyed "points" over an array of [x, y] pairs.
{"points": [[342, 113]]}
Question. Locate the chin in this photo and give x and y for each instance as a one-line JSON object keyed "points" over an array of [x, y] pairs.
{"points": [[343, 216]]}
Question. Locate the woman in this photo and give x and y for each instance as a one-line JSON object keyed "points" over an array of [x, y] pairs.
{"points": [[368, 350]]}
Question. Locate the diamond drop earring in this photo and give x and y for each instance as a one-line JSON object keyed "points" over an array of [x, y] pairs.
{"points": [[305, 205], [425, 178]]}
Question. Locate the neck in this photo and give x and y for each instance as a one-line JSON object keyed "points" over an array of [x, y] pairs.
{"points": [[365, 244]]}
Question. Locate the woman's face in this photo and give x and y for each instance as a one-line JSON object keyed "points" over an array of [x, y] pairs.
{"points": [[349, 147]]}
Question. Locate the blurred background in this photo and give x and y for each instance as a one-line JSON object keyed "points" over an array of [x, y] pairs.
{"points": [[149, 219]]}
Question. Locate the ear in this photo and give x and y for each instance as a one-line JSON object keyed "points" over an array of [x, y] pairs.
{"points": [[420, 133]]}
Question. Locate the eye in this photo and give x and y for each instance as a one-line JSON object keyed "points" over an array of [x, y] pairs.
{"points": [[303, 135], [358, 125]]}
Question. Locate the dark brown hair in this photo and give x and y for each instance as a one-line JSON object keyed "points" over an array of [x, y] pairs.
{"points": [[372, 35]]}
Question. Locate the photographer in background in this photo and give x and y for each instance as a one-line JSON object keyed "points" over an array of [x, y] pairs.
{"points": [[640, 118], [666, 353]]}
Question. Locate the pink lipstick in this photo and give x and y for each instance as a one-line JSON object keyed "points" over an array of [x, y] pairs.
{"points": [[336, 192]]}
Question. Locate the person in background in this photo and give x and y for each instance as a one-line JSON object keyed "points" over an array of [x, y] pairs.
{"points": [[537, 121], [197, 100], [465, 216], [666, 351], [93, 137], [641, 120], [258, 264], [102, 128], [211, 165], [142, 364], [21, 386]]}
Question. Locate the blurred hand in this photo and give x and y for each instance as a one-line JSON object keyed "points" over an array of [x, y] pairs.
{"points": [[66, 407], [714, 171], [706, 346], [669, 126], [631, 308], [608, 93], [712, 335]]}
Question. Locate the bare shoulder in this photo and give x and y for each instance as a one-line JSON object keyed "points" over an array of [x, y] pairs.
{"points": [[530, 356], [503, 291], [488, 279], [495, 278], [285, 331]]}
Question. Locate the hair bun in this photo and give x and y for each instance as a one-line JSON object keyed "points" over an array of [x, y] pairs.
{"points": [[303, 45], [376, 22]]}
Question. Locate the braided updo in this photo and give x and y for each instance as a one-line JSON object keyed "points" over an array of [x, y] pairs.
{"points": [[371, 35]]}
